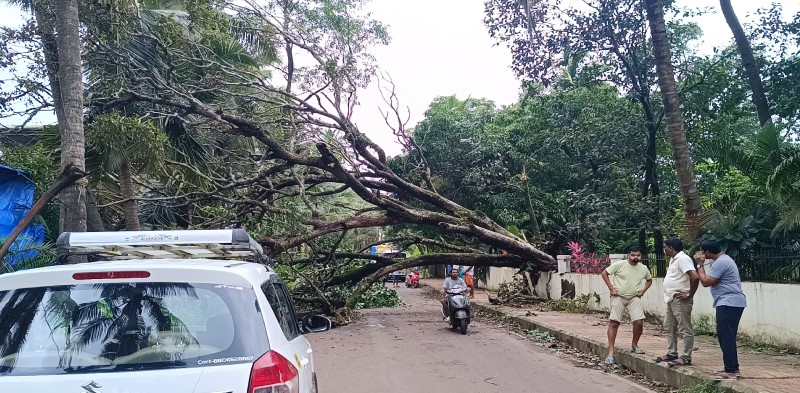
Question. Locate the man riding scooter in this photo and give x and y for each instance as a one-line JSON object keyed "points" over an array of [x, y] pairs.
{"points": [[451, 283], [455, 304]]}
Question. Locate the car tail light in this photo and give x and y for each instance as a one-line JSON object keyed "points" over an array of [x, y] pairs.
{"points": [[273, 373], [109, 275]]}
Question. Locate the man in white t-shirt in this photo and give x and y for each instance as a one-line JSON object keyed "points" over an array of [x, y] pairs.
{"points": [[680, 284]]}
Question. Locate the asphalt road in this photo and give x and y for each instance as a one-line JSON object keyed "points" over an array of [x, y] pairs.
{"points": [[410, 349]]}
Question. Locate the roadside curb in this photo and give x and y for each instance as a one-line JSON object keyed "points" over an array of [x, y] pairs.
{"points": [[674, 377]]}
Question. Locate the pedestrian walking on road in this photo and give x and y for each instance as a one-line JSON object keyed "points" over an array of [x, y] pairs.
{"points": [[680, 285], [625, 282], [469, 278], [722, 275]]}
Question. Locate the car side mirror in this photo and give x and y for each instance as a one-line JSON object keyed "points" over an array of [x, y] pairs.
{"points": [[315, 324]]}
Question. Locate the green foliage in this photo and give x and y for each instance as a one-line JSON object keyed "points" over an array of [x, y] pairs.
{"points": [[578, 148], [704, 325], [578, 305], [43, 168], [755, 188], [46, 256], [705, 387], [377, 296], [540, 335], [116, 138], [506, 289], [39, 161]]}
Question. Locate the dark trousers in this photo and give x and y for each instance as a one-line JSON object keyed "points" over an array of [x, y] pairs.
{"points": [[727, 327]]}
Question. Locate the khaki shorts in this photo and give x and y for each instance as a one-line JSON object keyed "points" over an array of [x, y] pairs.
{"points": [[632, 305]]}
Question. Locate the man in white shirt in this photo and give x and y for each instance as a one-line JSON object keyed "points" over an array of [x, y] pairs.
{"points": [[680, 284]]}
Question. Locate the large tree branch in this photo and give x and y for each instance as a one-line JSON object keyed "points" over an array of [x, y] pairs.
{"points": [[278, 247]]}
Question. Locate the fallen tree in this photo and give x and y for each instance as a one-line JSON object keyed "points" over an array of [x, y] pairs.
{"points": [[299, 115]]}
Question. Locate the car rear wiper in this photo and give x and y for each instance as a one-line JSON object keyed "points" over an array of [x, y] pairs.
{"points": [[126, 367], [84, 369]]}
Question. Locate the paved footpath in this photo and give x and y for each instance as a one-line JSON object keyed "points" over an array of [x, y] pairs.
{"points": [[762, 371]]}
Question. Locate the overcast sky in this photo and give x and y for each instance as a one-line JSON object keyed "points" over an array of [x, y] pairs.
{"points": [[441, 47]]}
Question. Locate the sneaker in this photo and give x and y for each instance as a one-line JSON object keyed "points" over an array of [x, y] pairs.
{"points": [[447, 319]]}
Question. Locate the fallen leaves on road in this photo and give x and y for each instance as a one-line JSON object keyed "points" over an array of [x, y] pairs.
{"points": [[577, 357]]}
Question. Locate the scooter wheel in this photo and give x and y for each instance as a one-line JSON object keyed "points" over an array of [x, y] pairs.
{"points": [[463, 326]]}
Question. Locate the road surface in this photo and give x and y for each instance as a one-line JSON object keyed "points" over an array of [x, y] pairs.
{"points": [[410, 349]]}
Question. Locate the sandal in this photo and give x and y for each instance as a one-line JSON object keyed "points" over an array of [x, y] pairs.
{"points": [[611, 360], [680, 362], [638, 351], [666, 358], [725, 376]]}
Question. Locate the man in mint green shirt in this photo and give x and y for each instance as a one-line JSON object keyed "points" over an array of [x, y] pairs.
{"points": [[627, 282]]}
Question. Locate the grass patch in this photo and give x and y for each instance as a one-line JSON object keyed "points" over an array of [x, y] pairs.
{"points": [[540, 335], [763, 342], [706, 387], [704, 325], [655, 319]]}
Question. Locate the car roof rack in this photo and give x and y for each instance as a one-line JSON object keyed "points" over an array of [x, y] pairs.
{"points": [[188, 244]]}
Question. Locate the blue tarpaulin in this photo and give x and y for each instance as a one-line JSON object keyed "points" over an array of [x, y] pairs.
{"points": [[16, 199]]}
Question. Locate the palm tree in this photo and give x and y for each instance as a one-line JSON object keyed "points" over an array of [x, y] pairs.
{"points": [[773, 167], [70, 90], [58, 25], [748, 61], [672, 111], [126, 144]]}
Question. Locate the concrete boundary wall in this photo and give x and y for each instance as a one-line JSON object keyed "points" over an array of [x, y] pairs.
{"points": [[772, 315]]}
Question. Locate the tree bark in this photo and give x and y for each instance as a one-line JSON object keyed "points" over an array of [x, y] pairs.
{"points": [[94, 221], [748, 62], [70, 91], [672, 110], [131, 206]]}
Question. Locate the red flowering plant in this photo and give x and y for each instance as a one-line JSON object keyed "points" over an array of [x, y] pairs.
{"points": [[583, 262]]}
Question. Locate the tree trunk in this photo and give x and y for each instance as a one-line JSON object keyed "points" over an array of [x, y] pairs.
{"points": [[130, 206], [70, 80], [94, 219], [529, 201], [672, 110], [748, 61], [529, 17]]}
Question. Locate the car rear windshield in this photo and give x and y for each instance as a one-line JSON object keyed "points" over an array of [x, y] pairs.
{"points": [[128, 326]]}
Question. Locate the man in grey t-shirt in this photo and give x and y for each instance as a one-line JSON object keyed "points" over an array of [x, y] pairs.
{"points": [[451, 284], [722, 275]]}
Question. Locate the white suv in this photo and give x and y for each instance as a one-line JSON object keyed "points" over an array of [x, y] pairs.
{"points": [[154, 325]]}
